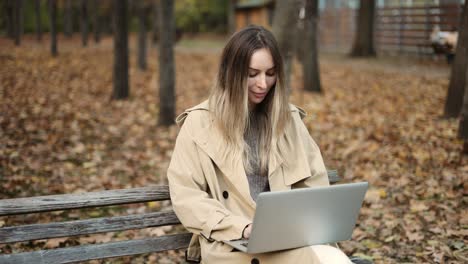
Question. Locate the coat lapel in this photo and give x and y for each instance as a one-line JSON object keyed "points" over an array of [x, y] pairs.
{"points": [[210, 141]]}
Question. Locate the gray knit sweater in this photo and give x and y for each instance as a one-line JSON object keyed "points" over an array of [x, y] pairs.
{"points": [[257, 183]]}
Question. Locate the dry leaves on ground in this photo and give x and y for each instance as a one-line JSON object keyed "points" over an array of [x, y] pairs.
{"points": [[377, 121]]}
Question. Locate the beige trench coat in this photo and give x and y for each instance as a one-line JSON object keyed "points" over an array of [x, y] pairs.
{"points": [[210, 194]]}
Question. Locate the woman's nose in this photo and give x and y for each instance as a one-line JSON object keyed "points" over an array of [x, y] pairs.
{"points": [[261, 81]]}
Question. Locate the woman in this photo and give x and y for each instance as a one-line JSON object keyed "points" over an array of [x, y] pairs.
{"points": [[245, 139]]}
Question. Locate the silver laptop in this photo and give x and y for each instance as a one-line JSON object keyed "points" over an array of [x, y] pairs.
{"points": [[303, 217]]}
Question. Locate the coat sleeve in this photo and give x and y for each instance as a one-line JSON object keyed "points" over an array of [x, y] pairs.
{"points": [[318, 172], [196, 209]]}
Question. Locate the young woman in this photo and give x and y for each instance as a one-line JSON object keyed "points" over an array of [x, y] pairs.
{"points": [[245, 139]]}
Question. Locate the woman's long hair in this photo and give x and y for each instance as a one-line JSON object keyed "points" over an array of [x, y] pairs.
{"points": [[229, 100]]}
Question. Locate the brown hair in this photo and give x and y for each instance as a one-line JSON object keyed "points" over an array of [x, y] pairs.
{"points": [[229, 98]]}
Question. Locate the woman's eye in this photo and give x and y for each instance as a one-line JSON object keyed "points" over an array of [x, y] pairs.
{"points": [[271, 73], [251, 75]]}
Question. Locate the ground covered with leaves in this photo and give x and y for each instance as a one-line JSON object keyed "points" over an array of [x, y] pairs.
{"points": [[378, 120]]}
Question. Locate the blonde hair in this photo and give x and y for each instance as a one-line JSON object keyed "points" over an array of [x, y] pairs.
{"points": [[229, 100]]}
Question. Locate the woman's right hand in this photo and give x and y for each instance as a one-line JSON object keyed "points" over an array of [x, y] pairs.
{"points": [[247, 231]]}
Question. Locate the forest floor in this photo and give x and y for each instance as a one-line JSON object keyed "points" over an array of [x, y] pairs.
{"points": [[378, 120]]}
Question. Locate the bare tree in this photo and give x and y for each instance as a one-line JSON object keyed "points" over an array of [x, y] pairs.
{"points": [[53, 27], [364, 39], [155, 24], [463, 127], [142, 11], [458, 79], [285, 30], [84, 23], [68, 18], [166, 63], [9, 9], [37, 11], [310, 63], [96, 21], [18, 21], [121, 78], [231, 14]]}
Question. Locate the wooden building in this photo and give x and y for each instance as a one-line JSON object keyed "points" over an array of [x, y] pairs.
{"points": [[258, 12]]}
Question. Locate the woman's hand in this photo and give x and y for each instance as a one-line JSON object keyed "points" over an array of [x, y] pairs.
{"points": [[247, 231]]}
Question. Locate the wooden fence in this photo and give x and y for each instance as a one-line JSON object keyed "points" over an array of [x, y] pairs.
{"points": [[398, 29], [408, 29]]}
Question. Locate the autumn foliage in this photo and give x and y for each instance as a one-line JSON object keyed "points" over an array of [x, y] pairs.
{"points": [[378, 121]]}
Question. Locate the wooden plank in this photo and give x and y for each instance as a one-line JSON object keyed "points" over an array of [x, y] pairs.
{"points": [[84, 227], [409, 23], [393, 36], [395, 29], [396, 42], [444, 7], [451, 14], [99, 251], [82, 200]]}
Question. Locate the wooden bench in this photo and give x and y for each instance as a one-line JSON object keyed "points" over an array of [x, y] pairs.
{"points": [[18, 206]]}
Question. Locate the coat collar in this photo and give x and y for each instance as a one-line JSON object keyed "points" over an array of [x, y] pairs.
{"points": [[209, 139]]}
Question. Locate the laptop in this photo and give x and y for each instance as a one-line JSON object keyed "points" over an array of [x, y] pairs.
{"points": [[303, 217]]}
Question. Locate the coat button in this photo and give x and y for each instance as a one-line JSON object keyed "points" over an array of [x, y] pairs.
{"points": [[255, 261], [225, 194]]}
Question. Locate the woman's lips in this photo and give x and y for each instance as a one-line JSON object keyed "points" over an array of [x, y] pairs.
{"points": [[259, 95]]}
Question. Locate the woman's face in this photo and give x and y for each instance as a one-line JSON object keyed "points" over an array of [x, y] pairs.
{"points": [[262, 76]]}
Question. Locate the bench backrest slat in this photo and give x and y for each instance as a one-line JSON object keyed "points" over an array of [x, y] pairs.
{"points": [[82, 200], [91, 226], [99, 251], [88, 226]]}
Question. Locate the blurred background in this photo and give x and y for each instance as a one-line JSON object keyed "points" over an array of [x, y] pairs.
{"points": [[89, 91]]}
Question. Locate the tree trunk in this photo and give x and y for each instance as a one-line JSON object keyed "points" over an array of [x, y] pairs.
{"points": [[84, 22], [18, 21], [454, 100], [231, 14], [463, 127], [142, 35], [155, 36], [121, 78], [311, 67], [68, 18], [10, 18], [364, 39], [166, 63], [96, 21], [53, 27], [37, 10], [285, 30]]}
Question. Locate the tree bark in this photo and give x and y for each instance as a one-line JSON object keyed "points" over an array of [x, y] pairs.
{"points": [[84, 24], [37, 10], [18, 21], [311, 67], [10, 18], [53, 27], [463, 126], [96, 21], [121, 78], [231, 14], [142, 11], [458, 79], [166, 63], [285, 30], [364, 39], [155, 24], [68, 18]]}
